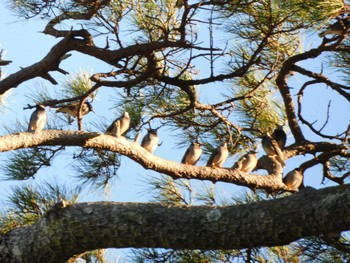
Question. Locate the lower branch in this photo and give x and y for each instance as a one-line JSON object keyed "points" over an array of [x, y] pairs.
{"points": [[64, 232]]}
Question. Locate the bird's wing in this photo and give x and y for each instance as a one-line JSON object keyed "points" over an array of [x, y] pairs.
{"points": [[143, 142], [110, 128], [212, 156], [280, 156], [186, 153], [33, 119]]}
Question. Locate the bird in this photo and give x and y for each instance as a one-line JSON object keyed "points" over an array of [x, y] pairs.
{"points": [[119, 126], [280, 136], [179, 3], [72, 109], [150, 140], [247, 162], [293, 179], [192, 154], [272, 148], [218, 156], [37, 119], [338, 28]]}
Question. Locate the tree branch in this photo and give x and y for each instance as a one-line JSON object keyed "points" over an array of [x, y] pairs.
{"points": [[55, 237], [135, 152], [271, 182]]}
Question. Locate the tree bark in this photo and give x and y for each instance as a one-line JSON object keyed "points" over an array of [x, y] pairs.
{"points": [[64, 232]]}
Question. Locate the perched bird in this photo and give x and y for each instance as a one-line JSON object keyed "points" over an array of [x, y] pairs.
{"points": [[37, 119], [72, 109], [218, 156], [338, 28], [61, 203], [280, 136], [150, 141], [192, 154], [271, 147], [293, 179], [119, 126], [179, 3], [247, 162]]}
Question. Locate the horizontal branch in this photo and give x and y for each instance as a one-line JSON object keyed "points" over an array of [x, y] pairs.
{"points": [[135, 152], [64, 232]]}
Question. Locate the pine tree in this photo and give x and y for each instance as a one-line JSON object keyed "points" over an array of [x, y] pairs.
{"points": [[208, 72]]}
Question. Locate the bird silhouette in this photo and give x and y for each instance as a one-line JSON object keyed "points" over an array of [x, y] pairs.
{"points": [[293, 179], [119, 126], [218, 156], [150, 140], [37, 119], [192, 154], [272, 148], [247, 162]]}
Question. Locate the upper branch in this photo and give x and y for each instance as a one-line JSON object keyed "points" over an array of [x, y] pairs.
{"points": [[40, 69], [281, 80]]}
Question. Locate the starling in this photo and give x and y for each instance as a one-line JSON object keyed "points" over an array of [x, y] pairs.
{"points": [[247, 162], [271, 147], [218, 156], [293, 179], [119, 126], [150, 141], [192, 154], [72, 109], [338, 28], [280, 136], [37, 119]]}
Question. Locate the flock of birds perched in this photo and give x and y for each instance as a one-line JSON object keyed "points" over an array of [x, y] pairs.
{"points": [[272, 144]]}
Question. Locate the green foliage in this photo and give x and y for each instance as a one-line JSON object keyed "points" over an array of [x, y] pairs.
{"points": [[28, 203], [260, 111], [24, 164], [77, 85], [156, 19], [166, 190], [96, 168], [313, 10], [181, 256]]}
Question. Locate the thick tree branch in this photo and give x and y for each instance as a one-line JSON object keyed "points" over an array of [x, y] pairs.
{"points": [[40, 69], [64, 232]]}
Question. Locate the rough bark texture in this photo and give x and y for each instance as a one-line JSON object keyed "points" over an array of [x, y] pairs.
{"points": [[64, 232]]}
